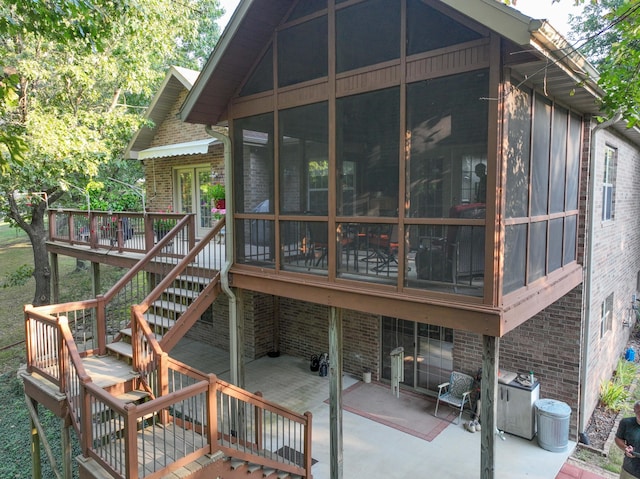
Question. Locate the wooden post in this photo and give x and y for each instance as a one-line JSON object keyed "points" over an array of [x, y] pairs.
{"points": [[212, 413], [276, 324], [95, 283], [66, 448], [237, 341], [488, 404], [101, 324], [335, 392], [36, 468], [55, 278]]}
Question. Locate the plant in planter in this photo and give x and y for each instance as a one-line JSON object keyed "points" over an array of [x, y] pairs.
{"points": [[217, 192], [162, 226]]}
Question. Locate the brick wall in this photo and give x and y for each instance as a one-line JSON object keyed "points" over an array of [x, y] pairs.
{"points": [[159, 172], [304, 330], [548, 344], [616, 262]]}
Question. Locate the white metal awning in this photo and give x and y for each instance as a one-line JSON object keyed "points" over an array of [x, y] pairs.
{"points": [[177, 149]]}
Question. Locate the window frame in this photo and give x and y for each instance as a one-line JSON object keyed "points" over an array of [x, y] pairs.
{"points": [[608, 183]]}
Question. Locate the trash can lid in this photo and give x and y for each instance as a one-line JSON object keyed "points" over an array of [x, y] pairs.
{"points": [[553, 407]]}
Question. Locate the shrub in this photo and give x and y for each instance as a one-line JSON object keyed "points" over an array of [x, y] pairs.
{"points": [[18, 277], [613, 394]]}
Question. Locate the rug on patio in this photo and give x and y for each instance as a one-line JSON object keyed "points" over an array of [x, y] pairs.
{"points": [[410, 413]]}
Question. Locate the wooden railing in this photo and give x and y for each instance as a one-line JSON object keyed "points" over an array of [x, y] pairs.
{"points": [[114, 231], [202, 413], [193, 414]]}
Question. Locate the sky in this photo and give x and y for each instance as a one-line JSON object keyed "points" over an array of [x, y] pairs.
{"points": [[555, 13]]}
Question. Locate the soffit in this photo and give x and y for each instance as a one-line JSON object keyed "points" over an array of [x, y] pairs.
{"points": [[176, 81], [248, 32]]}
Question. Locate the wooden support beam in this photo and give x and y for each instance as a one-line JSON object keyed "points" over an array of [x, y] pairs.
{"points": [[55, 278], [335, 392], [237, 340], [67, 458], [36, 465], [95, 283], [488, 405]]}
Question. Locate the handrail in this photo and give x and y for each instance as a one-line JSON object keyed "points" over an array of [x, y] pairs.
{"points": [[112, 231]]}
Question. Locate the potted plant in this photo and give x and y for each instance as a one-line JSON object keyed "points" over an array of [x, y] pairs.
{"points": [[218, 196], [162, 226]]}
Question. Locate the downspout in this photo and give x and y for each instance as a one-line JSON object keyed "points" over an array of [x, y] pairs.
{"points": [[229, 241], [586, 302]]}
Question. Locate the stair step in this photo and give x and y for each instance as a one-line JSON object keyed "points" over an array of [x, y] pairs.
{"points": [[188, 278], [182, 292], [161, 321], [134, 396], [267, 472], [236, 464], [251, 468], [121, 349], [127, 332], [169, 306]]}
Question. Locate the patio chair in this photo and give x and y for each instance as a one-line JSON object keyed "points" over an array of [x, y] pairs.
{"points": [[456, 392]]}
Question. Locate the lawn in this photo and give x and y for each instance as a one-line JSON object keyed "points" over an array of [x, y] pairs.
{"points": [[75, 284]]}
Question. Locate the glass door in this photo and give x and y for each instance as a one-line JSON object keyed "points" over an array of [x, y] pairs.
{"points": [[192, 187], [428, 352]]}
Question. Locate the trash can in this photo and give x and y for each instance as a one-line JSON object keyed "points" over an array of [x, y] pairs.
{"points": [[553, 424]]}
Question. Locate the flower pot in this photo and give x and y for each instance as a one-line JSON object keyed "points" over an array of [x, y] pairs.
{"points": [[219, 204]]}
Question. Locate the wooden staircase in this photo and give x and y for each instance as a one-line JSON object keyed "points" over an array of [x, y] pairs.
{"points": [[137, 411], [166, 312]]}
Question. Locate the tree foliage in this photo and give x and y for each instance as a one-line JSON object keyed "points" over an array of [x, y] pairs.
{"points": [[76, 78]]}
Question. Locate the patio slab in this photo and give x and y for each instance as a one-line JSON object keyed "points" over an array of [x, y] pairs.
{"points": [[371, 449]]}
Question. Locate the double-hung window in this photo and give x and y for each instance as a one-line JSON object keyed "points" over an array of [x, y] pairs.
{"points": [[608, 183]]}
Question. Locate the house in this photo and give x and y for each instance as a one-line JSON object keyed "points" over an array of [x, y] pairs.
{"points": [[456, 144], [181, 162], [438, 183]]}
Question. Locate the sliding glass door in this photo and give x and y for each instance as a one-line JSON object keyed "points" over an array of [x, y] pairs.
{"points": [[428, 358]]}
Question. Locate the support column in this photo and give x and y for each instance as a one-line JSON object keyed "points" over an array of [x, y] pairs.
{"points": [[95, 283], [36, 468], [335, 392], [236, 337], [488, 405], [66, 448], [55, 278]]}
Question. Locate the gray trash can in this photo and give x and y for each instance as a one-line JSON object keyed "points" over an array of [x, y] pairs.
{"points": [[553, 424]]}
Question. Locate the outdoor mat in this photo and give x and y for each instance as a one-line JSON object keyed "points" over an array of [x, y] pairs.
{"points": [[294, 456], [410, 413]]}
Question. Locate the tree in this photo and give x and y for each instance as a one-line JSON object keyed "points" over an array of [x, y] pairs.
{"points": [[81, 73], [608, 33]]}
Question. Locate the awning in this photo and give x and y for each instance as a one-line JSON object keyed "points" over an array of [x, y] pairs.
{"points": [[197, 147]]}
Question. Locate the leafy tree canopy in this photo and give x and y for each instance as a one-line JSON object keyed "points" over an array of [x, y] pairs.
{"points": [[75, 79]]}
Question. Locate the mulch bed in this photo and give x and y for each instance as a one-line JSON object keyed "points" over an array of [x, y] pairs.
{"points": [[602, 420]]}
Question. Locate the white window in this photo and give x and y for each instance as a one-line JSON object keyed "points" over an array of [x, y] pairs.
{"points": [[608, 183], [606, 315]]}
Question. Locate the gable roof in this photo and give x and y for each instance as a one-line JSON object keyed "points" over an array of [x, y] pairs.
{"points": [[175, 82], [551, 64]]}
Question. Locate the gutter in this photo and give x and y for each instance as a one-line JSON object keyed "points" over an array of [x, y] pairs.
{"points": [[228, 244], [586, 297]]}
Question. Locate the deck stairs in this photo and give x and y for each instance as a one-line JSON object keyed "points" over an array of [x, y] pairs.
{"points": [[137, 411]]}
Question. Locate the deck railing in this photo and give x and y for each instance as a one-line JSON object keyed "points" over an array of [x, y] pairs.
{"points": [[120, 231], [193, 414]]}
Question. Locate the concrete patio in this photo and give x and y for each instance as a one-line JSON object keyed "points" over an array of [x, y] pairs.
{"points": [[373, 450]]}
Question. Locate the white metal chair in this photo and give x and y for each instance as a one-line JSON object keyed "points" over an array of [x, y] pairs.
{"points": [[455, 392]]}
